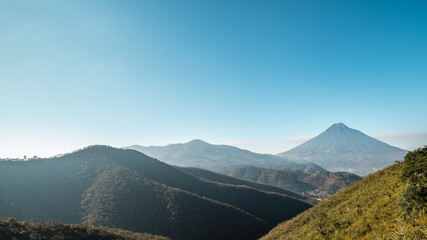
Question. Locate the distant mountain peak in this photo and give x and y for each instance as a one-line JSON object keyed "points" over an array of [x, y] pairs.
{"points": [[338, 127], [340, 148], [197, 141]]}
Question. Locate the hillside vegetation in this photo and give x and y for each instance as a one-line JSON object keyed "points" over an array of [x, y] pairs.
{"points": [[311, 184], [388, 204], [13, 230], [127, 189]]}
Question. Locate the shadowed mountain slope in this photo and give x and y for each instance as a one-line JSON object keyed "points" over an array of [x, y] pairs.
{"points": [[127, 189], [220, 178], [200, 154], [341, 148], [318, 184]]}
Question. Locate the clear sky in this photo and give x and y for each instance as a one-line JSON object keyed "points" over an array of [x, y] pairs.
{"points": [[261, 75]]}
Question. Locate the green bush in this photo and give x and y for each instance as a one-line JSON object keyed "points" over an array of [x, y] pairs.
{"points": [[414, 197]]}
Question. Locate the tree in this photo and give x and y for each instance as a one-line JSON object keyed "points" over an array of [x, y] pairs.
{"points": [[414, 197]]}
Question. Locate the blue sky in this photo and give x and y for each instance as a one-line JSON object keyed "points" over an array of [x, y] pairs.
{"points": [[262, 75]]}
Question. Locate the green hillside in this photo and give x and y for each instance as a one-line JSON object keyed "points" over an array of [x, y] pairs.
{"points": [[312, 184], [369, 209], [14, 230], [127, 189]]}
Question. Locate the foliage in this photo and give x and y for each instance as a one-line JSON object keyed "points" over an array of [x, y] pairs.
{"points": [[414, 197], [411, 229], [415, 162], [14, 230]]}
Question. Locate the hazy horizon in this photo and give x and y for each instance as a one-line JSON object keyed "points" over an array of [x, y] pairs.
{"points": [[262, 76], [290, 142]]}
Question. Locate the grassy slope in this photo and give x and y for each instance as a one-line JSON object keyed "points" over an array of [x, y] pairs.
{"points": [[361, 211], [12, 229]]}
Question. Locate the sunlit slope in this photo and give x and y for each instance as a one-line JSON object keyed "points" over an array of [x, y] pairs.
{"points": [[362, 211]]}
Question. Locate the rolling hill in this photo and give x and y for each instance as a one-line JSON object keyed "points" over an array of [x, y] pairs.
{"points": [[200, 154], [341, 148], [370, 209], [126, 189], [317, 184]]}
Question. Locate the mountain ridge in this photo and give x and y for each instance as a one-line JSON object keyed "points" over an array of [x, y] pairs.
{"points": [[200, 154]]}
